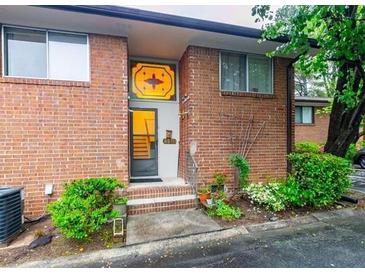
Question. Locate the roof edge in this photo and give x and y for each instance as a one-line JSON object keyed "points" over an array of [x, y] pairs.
{"points": [[167, 19]]}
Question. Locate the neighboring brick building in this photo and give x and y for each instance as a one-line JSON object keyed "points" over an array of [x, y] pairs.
{"points": [[162, 123], [311, 122]]}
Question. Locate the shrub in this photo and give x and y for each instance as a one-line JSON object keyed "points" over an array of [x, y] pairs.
{"points": [[84, 207], [225, 211], [269, 195], [322, 178], [237, 161], [351, 152], [305, 147], [122, 200]]}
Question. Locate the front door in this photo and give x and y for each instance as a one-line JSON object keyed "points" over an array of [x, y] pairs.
{"points": [[144, 143]]}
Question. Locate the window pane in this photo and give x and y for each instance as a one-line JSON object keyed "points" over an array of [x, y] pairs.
{"points": [[233, 72], [259, 74], [25, 53], [68, 56], [298, 115], [307, 115]]}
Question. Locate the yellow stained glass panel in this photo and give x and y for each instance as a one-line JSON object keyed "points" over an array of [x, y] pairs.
{"points": [[153, 81]]}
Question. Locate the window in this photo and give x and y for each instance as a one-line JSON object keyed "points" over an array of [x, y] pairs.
{"points": [[152, 81], [45, 54], [304, 115], [245, 72]]}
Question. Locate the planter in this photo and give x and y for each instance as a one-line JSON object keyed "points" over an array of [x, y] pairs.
{"points": [[122, 209], [203, 197]]}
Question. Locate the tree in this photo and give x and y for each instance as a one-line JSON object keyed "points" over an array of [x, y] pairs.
{"points": [[306, 85], [338, 33]]}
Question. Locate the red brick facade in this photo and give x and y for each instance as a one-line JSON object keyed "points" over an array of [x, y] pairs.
{"points": [[213, 120], [316, 132], [54, 131]]}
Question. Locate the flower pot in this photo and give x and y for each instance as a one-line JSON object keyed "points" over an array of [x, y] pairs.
{"points": [[122, 209], [203, 197]]}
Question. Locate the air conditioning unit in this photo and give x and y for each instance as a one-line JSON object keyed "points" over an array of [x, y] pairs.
{"points": [[11, 213]]}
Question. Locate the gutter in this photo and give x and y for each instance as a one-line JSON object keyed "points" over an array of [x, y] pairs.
{"points": [[289, 109]]}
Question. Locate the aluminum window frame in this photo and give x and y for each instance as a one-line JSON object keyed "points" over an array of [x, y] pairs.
{"points": [[301, 114], [88, 65], [247, 54]]}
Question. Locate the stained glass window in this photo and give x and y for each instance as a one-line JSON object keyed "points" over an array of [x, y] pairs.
{"points": [[152, 81]]}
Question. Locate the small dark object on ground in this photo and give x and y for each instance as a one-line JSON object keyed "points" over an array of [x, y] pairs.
{"points": [[273, 218], [41, 241], [349, 199]]}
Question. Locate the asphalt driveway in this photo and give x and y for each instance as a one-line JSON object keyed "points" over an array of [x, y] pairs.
{"points": [[329, 242]]}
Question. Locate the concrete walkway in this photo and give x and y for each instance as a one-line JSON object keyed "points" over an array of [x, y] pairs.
{"points": [[168, 224]]}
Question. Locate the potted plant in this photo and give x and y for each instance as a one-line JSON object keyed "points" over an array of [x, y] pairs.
{"points": [[120, 205], [204, 194], [219, 179]]}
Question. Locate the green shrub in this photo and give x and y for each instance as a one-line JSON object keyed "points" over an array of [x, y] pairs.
{"points": [[226, 212], [84, 207], [236, 160], [322, 178], [307, 147], [121, 200], [268, 195], [351, 152]]}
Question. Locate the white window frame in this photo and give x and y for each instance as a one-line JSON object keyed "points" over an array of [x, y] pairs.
{"points": [[247, 76], [47, 53]]}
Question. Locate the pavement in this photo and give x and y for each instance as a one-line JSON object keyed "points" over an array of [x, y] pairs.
{"points": [[157, 226], [323, 239]]}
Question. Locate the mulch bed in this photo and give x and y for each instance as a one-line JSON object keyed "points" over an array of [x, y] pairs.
{"points": [[60, 246], [253, 214]]}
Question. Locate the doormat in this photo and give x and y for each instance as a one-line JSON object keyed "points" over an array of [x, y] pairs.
{"points": [[146, 180]]}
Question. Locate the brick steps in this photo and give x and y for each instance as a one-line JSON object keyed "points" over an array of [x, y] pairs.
{"points": [[150, 199]]}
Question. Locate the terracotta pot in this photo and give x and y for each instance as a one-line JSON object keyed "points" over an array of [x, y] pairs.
{"points": [[203, 197]]}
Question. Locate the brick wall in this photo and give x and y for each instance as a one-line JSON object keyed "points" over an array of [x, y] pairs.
{"points": [[316, 132], [54, 131], [214, 120]]}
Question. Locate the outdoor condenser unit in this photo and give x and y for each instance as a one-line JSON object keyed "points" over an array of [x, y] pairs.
{"points": [[11, 213]]}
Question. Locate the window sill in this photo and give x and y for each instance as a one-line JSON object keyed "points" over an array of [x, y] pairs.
{"points": [[305, 125], [247, 94], [48, 82]]}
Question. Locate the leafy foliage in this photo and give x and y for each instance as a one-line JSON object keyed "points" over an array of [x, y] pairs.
{"points": [[322, 178], [84, 207], [351, 152], [304, 147], [219, 178], [318, 179], [122, 200], [338, 31], [225, 211], [239, 162], [269, 195]]}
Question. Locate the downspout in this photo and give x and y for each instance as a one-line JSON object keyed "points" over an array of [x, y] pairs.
{"points": [[289, 109]]}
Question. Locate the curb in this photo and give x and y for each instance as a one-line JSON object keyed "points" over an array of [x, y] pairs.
{"points": [[135, 250], [141, 249]]}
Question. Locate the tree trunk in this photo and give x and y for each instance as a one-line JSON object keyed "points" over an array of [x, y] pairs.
{"points": [[345, 122]]}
